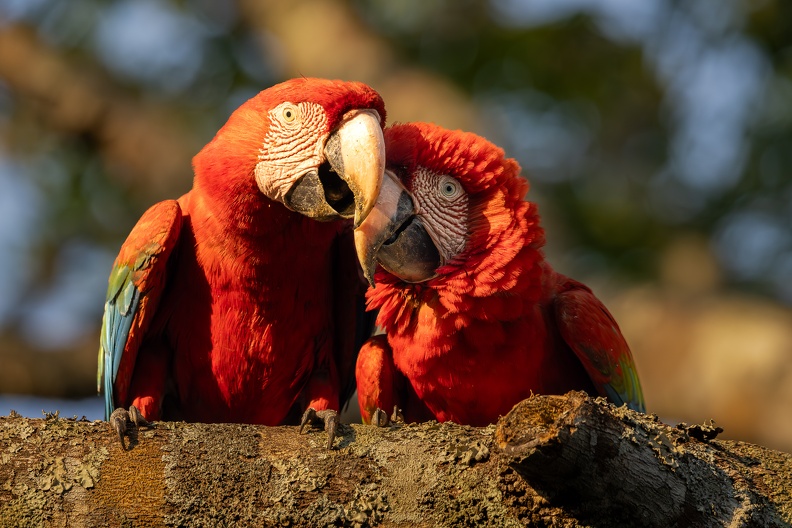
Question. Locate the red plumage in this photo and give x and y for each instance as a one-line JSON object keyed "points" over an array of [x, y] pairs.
{"points": [[240, 310], [496, 323]]}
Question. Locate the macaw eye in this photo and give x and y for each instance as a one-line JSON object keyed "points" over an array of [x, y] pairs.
{"points": [[289, 114], [450, 188]]}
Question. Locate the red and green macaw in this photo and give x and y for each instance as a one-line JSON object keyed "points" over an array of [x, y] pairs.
{"points": [[233, 303], [475, 319]]}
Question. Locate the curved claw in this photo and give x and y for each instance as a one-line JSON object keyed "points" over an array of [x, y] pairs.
{"points": [[137, 418], [397, 416], [328, 416], [120, 417], [331, 426], [380, 418], [308, 416]]}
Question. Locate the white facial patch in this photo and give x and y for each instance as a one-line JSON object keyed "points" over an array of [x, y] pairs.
{"points": [[294, 145], [443, 203]]}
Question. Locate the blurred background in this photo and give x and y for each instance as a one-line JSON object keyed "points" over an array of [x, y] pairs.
{"points": [[657, 136]]}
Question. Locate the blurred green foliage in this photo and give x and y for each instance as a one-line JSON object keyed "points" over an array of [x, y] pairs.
{"points": [[632, 89], [636, 123]]}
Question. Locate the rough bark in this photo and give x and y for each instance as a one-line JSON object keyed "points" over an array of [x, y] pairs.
{"points": [[552, 461]]}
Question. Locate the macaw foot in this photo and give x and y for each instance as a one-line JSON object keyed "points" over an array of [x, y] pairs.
{"points": [[328, 416], [120, 417], [381, 419]]}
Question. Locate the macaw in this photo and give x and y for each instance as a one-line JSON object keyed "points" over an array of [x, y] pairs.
{"points": [[237, 302], [475, 319]]}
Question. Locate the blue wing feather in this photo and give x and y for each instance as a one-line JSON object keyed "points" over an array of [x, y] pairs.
{"points": [[133, 292], [119, 313]]}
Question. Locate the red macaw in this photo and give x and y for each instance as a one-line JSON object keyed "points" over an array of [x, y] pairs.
{"points": [[233, 303], [475, 319]]}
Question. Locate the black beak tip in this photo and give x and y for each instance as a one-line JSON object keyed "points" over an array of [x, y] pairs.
{"points": [[410, 254]]}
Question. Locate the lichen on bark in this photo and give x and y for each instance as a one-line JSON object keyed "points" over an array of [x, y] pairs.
{"points": [[562, 461]]}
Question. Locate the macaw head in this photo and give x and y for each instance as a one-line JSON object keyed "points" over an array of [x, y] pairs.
{"points": [[314, 145], [451, 206]]}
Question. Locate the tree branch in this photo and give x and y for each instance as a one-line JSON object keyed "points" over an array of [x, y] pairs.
{"points": [[598, 462], [553, 461]]}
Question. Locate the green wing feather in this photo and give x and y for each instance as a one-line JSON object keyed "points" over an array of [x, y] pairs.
{"points": [[595, 338], [134, 288]]}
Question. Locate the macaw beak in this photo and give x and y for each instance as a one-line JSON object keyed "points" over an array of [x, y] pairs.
{"points": [[348, 184], [356, 151], [395, 237]]}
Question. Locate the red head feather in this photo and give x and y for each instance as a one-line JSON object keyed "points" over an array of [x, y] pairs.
{"points": [[235, 147], [225, 167], [503, 251], [471, 159]]}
